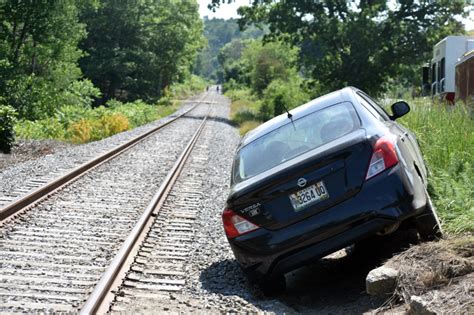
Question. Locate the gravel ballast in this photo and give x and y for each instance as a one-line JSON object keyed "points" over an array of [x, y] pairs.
{"points": [[51, 157]]}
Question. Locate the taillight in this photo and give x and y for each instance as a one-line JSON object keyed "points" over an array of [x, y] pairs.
{"points": [[235, 225], [384, 156]]}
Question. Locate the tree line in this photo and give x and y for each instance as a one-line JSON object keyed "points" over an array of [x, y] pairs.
{"points": [[219, 32], [75, 52], [370, 44]]}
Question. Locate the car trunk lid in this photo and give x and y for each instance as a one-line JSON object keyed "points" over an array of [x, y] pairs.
{"points": [[322, 177]]}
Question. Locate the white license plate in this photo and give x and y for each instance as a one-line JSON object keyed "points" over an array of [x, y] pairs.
{"points": [[308, 196]]}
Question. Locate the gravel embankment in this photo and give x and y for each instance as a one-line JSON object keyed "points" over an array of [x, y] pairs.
{"points": [[54, 253], [48, 157], [25, 150]]}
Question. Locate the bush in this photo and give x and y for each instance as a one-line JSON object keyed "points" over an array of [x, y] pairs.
{"points": [[80, 132], [7, 122], [79, 124], [86, 130], [244, 115], [188, 87], [49, 128], [241, 94], [280, 95]]}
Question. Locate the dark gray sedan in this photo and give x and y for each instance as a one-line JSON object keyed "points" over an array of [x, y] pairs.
{"points": [[326, 175]]}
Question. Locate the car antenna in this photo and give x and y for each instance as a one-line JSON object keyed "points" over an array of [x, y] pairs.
{"points": [[288, 113], [290, 116]]}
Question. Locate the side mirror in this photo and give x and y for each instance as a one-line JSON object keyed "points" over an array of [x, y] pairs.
{"points": [[399, 109]]}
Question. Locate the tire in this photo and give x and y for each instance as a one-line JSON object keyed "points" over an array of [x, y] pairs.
{"points": [[274, 285], [427, 223]]}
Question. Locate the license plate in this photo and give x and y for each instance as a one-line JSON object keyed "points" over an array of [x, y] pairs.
{"points": [[308, 196]]}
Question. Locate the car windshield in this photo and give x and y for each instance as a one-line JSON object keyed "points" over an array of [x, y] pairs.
{"points": [[293, 139]]}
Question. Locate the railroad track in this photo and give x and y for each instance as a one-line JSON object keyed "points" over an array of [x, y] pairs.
{"points": [[54, 254], [39, 185]]}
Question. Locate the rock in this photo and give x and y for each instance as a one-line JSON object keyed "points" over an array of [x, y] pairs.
{"points": [[419, 306], [381, 281]]}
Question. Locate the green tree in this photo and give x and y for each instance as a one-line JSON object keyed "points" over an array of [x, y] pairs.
{"points": [[218, 33], [38, 55], [256, 64], [111, 45], [360, 43], [269, 61], [233, 66], [137, 48]]}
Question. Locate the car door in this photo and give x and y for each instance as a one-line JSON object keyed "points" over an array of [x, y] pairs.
{"points": [[412, 144]]}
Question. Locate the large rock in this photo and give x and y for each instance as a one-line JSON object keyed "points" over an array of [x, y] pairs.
{"points": [[381, 281]]}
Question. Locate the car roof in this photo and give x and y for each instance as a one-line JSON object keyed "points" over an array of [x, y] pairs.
{"points": [[333, 98]]}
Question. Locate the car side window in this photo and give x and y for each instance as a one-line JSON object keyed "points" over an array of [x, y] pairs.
{"points": [[369, 107], [376, 106]]}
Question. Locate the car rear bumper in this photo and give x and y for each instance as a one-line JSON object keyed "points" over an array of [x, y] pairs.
{"points": [[384, 200]]}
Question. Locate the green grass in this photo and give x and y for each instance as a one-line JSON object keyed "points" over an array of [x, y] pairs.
{"points": [[446, 137], [244, 109]]}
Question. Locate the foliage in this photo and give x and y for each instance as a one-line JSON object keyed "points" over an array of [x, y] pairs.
{"points": [[240, 94], [254, 64], [78, 124], [245, 108], [189, 87], [7, 121], [95, 129], [136, 49], [270, 61], [281, 95], [218, 33], [359, 43], [46, 128], [262, 79], [38, 56], [234, 67]]}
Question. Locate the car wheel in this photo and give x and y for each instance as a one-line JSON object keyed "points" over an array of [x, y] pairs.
{"points": [[274, 285], [427, 223]]}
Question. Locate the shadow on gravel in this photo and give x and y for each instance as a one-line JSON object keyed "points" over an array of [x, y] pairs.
{"points": [[217, 119], [334, 284]]}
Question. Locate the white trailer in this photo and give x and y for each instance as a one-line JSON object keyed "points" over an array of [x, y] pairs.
{"points": [[446, 54]]}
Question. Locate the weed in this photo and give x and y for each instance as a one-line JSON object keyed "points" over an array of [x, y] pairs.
{"points": [[7, 122]]}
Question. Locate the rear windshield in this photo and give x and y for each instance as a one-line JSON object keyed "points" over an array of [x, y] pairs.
{"points": [[293, 139]]}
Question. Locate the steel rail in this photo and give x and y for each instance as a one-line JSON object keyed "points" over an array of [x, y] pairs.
{"points": [[43, 191], [95, 302]]}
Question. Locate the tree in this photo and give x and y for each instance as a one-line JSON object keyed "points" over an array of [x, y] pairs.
{"points": [[270, 61], [113, 39], [137, 48], [254, 64], [218, 33], [38, 55], [360, 43]]}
